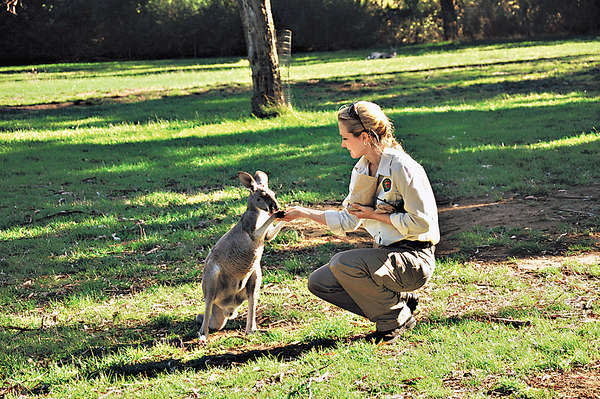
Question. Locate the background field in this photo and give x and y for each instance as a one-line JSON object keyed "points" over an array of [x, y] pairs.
{"points": [[117, 178]]}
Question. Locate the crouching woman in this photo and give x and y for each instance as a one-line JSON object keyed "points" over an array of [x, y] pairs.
{"points": [[391, 197]]}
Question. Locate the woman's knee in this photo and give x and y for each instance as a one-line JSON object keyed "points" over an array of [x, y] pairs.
{"points": [[313, 284], [336, 259], [347, 264], [320, 280]]}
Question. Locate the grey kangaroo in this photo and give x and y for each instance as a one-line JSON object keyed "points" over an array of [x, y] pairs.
{"points": [[377, 55], [232, 270]]}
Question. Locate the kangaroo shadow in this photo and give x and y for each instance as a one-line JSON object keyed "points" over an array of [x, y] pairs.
{"points": [[286, 353]]}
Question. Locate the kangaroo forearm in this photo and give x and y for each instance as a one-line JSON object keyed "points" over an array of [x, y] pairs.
{"points": [[273, 231], [262, 230]]}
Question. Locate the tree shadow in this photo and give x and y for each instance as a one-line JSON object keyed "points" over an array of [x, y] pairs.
{"points": [[229, 102], [88, 341], [140, 168], [126, 68], [413, 50], [143, 167], [170, 166], [447, 84]]}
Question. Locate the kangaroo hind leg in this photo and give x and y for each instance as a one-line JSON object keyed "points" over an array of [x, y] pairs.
{"points": [[252, 292]]}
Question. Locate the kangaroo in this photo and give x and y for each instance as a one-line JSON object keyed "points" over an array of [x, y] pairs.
{"points": [[377, 55], [232, 270]]}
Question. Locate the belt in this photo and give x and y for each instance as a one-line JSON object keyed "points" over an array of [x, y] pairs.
{"points": [[409, 244]]}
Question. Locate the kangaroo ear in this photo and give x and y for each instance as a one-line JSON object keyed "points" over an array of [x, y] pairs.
{"points": [[247, 180], [261, 178]]}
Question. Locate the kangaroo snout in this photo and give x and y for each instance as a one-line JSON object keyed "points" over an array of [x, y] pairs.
{"points": [[274, 208]]}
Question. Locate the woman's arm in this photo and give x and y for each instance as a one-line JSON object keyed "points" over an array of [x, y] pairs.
{"points": [[296, 212]]}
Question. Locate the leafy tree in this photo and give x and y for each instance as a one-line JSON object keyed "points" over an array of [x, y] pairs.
{"points": [[81, 27]]}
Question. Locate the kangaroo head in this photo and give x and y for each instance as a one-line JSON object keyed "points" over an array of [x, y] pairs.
{"points": [[261, 197]]}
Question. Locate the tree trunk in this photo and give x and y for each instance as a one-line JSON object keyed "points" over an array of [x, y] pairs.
{"points": [[449, 19], [268, 98]]}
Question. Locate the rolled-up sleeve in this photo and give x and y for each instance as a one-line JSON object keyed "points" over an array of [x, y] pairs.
{"points": [[340, 222], [410, 224], [419, 204]]}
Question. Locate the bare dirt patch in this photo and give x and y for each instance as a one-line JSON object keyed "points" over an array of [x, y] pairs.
{"points": [[564, 218], [124, 97], [576, 383]]}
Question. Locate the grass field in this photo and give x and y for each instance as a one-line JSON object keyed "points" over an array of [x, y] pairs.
{"points": [[118, 177]]}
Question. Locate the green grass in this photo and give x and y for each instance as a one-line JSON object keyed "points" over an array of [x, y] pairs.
{"points": [[520, 241], [111, 203]]}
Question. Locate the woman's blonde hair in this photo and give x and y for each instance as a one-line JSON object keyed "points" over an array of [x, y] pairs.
{"points": [[365, 116]]}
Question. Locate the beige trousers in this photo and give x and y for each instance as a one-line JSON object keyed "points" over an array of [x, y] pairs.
{"points": [[372, 282]]}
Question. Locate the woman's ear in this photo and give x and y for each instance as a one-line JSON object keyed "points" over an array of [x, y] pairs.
{"points": [[364, 136]]}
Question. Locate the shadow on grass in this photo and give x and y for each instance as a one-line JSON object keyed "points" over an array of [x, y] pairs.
{"points": [[98, 181], [126, 68], [69, 343], [480, 318], [284, 353], [437, 89], [78, 342], [41, 179], [414, 50], [231, 102]]}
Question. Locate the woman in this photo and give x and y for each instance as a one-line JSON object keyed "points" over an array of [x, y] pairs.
{"points": [[391, 197]]}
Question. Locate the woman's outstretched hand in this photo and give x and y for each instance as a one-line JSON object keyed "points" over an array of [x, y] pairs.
{"points": [[294, 212], [297, 212]]}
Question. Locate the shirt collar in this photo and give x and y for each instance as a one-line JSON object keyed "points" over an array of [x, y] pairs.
{"points": [[362, 166], [385, 164]]}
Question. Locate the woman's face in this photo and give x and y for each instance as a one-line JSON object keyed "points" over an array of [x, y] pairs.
{"points": [[353, 144]]}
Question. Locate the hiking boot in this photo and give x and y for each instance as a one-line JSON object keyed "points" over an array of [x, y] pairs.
{"points": [[390, 336], [412, 300]]}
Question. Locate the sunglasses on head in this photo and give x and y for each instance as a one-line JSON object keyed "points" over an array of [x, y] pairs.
{"points": [[354, 115]]}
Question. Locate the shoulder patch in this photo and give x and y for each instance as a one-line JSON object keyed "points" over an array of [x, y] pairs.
{"points": [[386, 184]]}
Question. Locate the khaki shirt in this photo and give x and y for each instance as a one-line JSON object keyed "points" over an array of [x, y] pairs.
{"points": [[400, 178]]}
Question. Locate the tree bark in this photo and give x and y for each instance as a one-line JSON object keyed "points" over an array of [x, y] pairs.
{"points": [[449, 19], [268, 97]]}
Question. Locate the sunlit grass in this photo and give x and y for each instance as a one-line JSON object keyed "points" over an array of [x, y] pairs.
{"points": [[109, 208], [81, 81]]}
